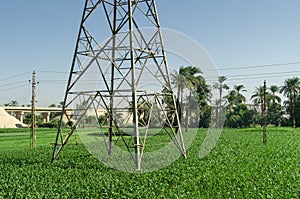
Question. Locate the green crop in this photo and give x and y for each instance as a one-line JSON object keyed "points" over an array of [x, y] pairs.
{"points": [[239, 167]]}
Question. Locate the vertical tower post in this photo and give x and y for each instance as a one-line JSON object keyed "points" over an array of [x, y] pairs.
{"points": [[134, 90], [32, 134], [111, 104]]}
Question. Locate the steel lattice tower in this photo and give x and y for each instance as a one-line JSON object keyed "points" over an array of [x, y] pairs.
{"points": [[125, 78]]}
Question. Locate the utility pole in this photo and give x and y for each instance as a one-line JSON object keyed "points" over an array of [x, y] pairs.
{"points": [[265, 115], [32, 134]]}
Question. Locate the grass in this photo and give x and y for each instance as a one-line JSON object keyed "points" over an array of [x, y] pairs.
{"points": [[239, 167]]}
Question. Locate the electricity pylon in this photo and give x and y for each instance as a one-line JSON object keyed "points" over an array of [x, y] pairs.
{"points": [[124, 79]]}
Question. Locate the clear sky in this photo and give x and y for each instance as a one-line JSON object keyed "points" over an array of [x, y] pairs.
{"points": [[240, 36]]}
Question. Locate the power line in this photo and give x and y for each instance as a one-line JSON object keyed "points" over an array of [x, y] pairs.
{"points": [[261, 77], [10, 84], [52, 80], [14, 76], [220, 69], [14, 87], [258, 75], [262, 74], [230, 78], [49, 71], [255, 66]]}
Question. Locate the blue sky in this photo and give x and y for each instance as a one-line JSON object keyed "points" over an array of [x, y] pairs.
{"points": [[40, 35]]}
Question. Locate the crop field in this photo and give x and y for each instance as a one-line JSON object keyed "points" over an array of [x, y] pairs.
{"points": [[239, 167]]}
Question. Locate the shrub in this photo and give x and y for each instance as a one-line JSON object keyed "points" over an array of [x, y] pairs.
{"points": [[53, 124]]}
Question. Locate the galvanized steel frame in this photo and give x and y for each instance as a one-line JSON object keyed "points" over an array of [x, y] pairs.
{"points": [[127, 44]]}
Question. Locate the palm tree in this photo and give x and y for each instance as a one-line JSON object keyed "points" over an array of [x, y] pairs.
{"points": [[183, 79], [178, 79], [297, 112], [203, 91], [258, 98], [234, 97], [12, 103], [195, 81], [231, 99], [187, 78], [220, 85], [274, 106], [204, 96], [52, 106], [291, 89], [275, 98], [240, 98], [192, 77]]}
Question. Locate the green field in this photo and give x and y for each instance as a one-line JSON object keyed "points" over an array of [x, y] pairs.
{"points": [[239, 167]]}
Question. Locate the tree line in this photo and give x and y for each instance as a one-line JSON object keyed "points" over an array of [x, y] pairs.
{"points": [[239, 113]]}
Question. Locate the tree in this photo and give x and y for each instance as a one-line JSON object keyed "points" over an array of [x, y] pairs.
{"points": [[238, 115], [274, 98], [178, 79], [241, 116], [258, 96], [258, 99], [61, 104], [231, 100], [274, 114], [204, 98], [28, 117], [234, 97], [52, 106], [297, 112], [220, 85], [274, 106], [291, 89], [12, 103], [187, 78], [240, 98], [193, 79], [205, 116]]}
